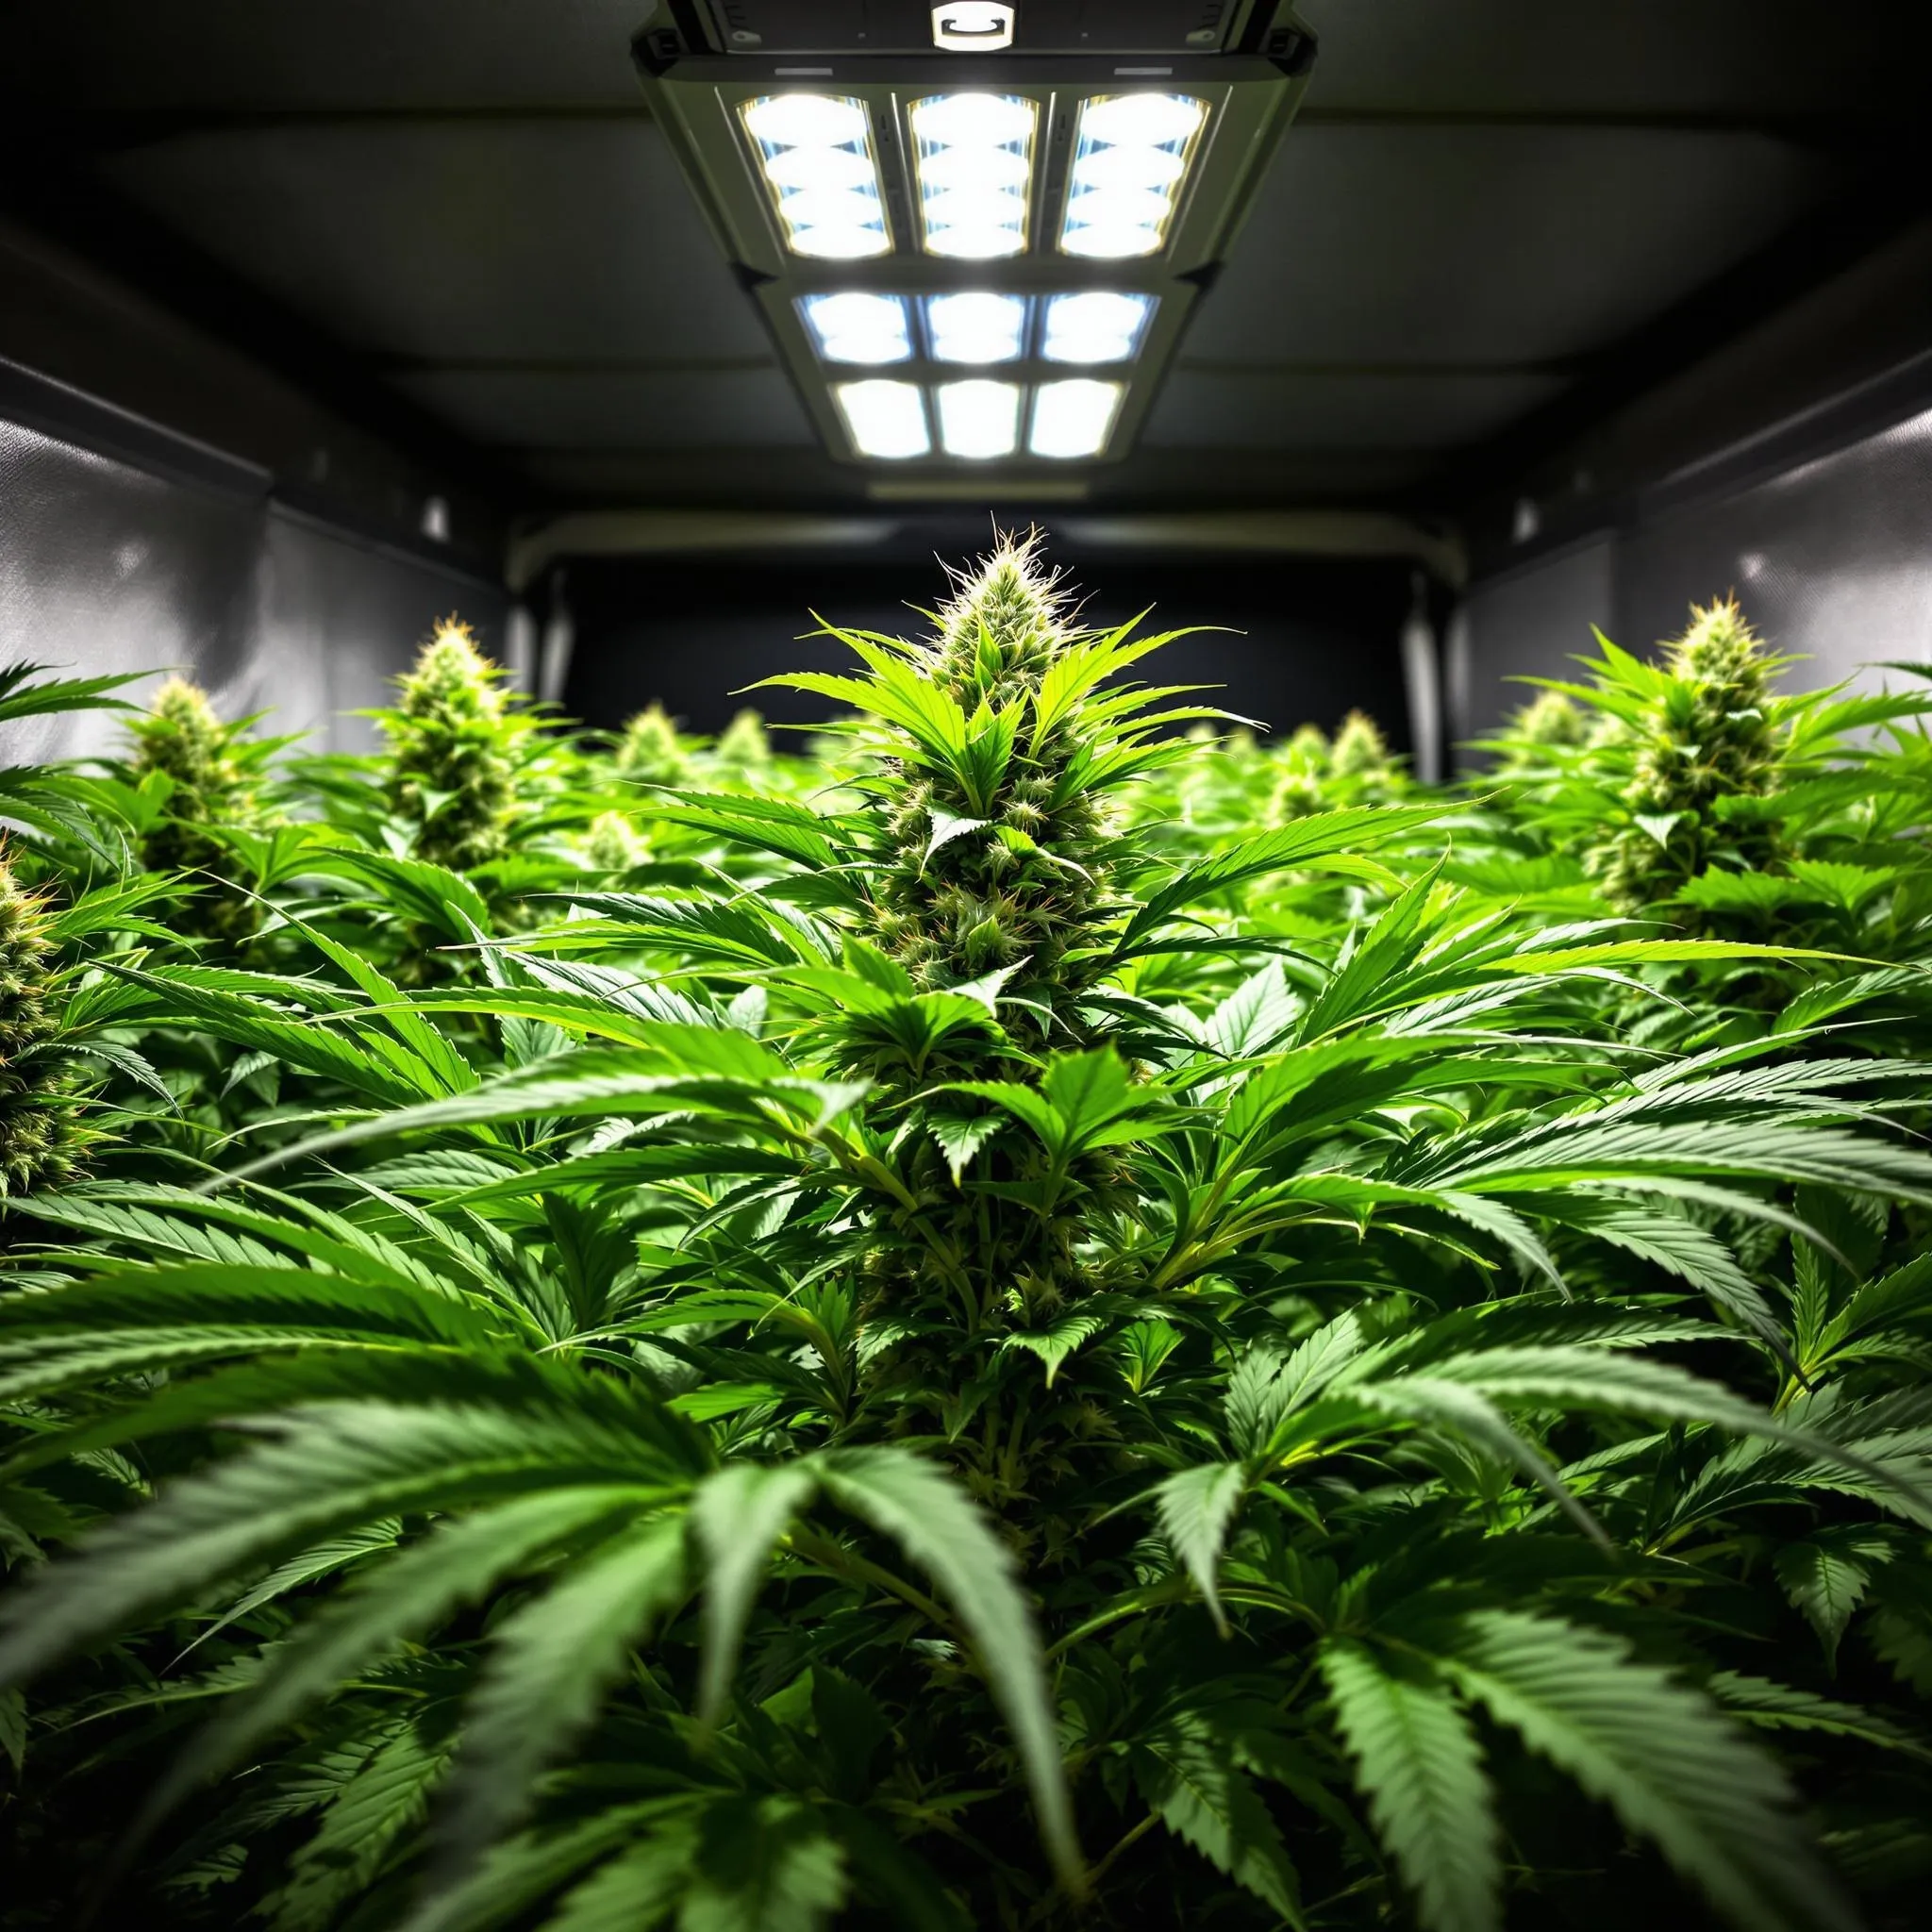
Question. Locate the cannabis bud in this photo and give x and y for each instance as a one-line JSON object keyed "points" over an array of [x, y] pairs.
{"points": [[455, 741], [611, 844], [38, 1138], [1360, 750], [1012, 877], [743, 746], [1549, 720], [182, 739], [1304, 761], [1706, 735], [649, 750]]}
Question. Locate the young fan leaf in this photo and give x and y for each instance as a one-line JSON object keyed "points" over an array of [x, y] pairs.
{"points": [[1418, 1761], [1663, 1756]]}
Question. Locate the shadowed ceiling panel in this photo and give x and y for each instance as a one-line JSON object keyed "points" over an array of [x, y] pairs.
{"points": [[805, 478], [1487, 204], [457, 242], [1488, 245], [592, 410], [1260, 411], [281, 53], [1534, 57], [1551, 57]]}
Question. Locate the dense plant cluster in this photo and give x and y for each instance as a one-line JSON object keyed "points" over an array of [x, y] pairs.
{"points": [[1006, 1326]]}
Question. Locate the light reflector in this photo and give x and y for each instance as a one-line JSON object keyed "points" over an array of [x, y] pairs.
{"points": [[816, 153], [974, 154], [1130, 157], [1097, 325], [884, 418], [975, 327], [857, 327], [979, 419], [1073, 417]]}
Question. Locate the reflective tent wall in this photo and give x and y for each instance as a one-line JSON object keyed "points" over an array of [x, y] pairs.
{"points": [[129, 545], [1793, 467], [311, 316]]}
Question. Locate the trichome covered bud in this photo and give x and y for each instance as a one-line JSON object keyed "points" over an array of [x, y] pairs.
{"points": [[1705, 736], [1002, 864], [182, 739], [455, 739], [38, 1140]]}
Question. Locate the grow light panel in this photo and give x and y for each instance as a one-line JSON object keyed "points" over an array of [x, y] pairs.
{"points": [[976, 326], [979, 419], [1131, 154], [973, 153], [816, 153], [884, 418], [1072, 418], [857, 327], [1097, 325], [975, 263]]}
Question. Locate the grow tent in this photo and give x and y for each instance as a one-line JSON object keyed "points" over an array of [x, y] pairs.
{"points": [[1528, 300], [1400, 343]]}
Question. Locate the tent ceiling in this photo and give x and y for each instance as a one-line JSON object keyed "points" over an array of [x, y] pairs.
{"points": [[1488, 211]]}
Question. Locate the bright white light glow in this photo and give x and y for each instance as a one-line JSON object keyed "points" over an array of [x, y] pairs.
{"points": [[979, 419], [975, 327], [1141, 120], [1095, 327], [807, 121], [1130, 157], [792, 169], [974, 158], [884, 419], [1072, 418], [816, 153], [854, 328]]}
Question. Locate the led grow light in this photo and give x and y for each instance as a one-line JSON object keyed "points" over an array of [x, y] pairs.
{"points": [[884, 418], [974, 154], [975, 327], [1131, 154], [1098, 326], [949, 190], [1072, 418], [979, 419], [855, 327], [816, 153]]}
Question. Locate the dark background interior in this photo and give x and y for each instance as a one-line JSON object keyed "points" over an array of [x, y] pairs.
{"points": [[1293, 638], [1519, 270]]}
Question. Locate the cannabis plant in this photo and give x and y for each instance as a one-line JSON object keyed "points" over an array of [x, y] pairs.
{"points": [[200, 776], [455, 743], [1542, 730], [1701, 795], [1704, 733], [651, 751], [954, 1360], [744, 746], [613, 844], [1303, 764], [38, 1138]]}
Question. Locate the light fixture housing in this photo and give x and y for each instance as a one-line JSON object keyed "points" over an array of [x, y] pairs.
{"points": [[1024, 230]]}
